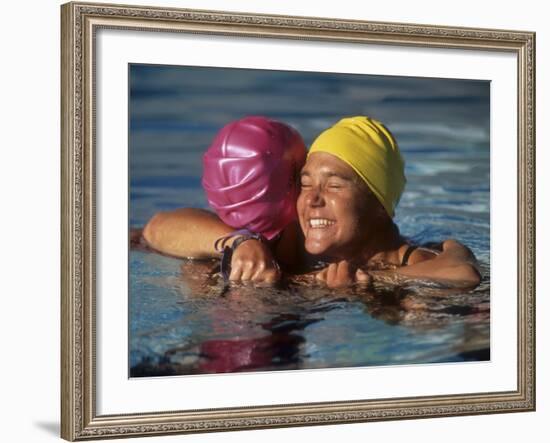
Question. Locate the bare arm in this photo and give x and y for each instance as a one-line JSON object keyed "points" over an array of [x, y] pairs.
{"points": [[186, 232], [192, 233], [456, 266]]}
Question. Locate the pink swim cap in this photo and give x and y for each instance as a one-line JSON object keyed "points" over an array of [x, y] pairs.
{"points": [[250, 174]]}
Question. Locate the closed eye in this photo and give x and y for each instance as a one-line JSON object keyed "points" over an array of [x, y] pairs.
{"points": [[336, 184], [305, 181]]}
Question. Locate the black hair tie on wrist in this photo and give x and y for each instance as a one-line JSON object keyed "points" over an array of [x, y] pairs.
{"points": [[227, 251]]}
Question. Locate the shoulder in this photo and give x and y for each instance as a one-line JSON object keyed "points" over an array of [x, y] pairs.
{"points": [[412, 254], [462, 260], [457, 250], [448, 249]]}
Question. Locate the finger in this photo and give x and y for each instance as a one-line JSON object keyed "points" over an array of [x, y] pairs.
{"points": [[338, 275], [257, 272], [248, 271], [321, 275], [343, 273], [332, 273], [236, 270], [362, 277]]}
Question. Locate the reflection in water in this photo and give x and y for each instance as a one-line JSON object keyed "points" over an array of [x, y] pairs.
{"points": [[278, 350], [300, 325]]}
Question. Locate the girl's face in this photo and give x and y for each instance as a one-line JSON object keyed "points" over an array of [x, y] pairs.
{"points": [[336, 209]]}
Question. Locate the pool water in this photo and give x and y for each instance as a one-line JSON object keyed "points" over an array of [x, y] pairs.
{"points": [[184, 320]]}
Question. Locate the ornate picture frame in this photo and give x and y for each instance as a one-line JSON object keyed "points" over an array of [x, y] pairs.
{"points": [[79, 395]]}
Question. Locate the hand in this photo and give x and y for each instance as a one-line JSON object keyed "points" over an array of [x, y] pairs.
{"points": [[253, 261], [341, 274]]}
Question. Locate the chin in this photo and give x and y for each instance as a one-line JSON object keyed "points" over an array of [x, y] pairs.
{"points": [[315, 248]]}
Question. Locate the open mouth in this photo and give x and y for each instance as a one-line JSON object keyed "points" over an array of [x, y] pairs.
{"points": [[320, 223]]}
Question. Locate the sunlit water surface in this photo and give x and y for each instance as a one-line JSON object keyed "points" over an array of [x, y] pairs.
{"points": [[184, 320]]}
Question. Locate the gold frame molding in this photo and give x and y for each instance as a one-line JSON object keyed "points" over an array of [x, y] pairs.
{"points": [[79, 22]]}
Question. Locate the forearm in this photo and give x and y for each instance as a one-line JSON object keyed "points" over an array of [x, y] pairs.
{"points": [[454, 267], [462, 276], [185, 232]]}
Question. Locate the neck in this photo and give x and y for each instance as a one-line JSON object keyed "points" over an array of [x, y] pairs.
{"points": [[385, 239]]}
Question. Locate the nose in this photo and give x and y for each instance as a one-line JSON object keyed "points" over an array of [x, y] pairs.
{"points": [[315, 198]]}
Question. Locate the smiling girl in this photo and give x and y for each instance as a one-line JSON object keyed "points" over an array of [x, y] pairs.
{"points": [[350, 186]]}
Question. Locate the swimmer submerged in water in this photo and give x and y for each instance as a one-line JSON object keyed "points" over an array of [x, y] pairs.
{"points": [[350, 186]]}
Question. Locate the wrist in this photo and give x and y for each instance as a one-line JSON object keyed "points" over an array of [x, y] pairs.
{"points": [[235, 238], [229, 243]]}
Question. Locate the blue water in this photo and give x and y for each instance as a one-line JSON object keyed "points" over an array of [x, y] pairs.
{"points": [[181, 323]]}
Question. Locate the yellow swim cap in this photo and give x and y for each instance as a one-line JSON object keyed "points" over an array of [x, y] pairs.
{"points": [[370, 149]]}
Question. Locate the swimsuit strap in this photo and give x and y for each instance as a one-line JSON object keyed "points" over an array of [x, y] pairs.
{"points": [[407, 254], [433, 248]]}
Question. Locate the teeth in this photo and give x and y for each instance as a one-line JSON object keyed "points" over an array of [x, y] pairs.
{"points": [[320, 223]]}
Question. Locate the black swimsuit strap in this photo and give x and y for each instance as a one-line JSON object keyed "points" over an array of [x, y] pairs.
{"points": [[407, 254]]}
